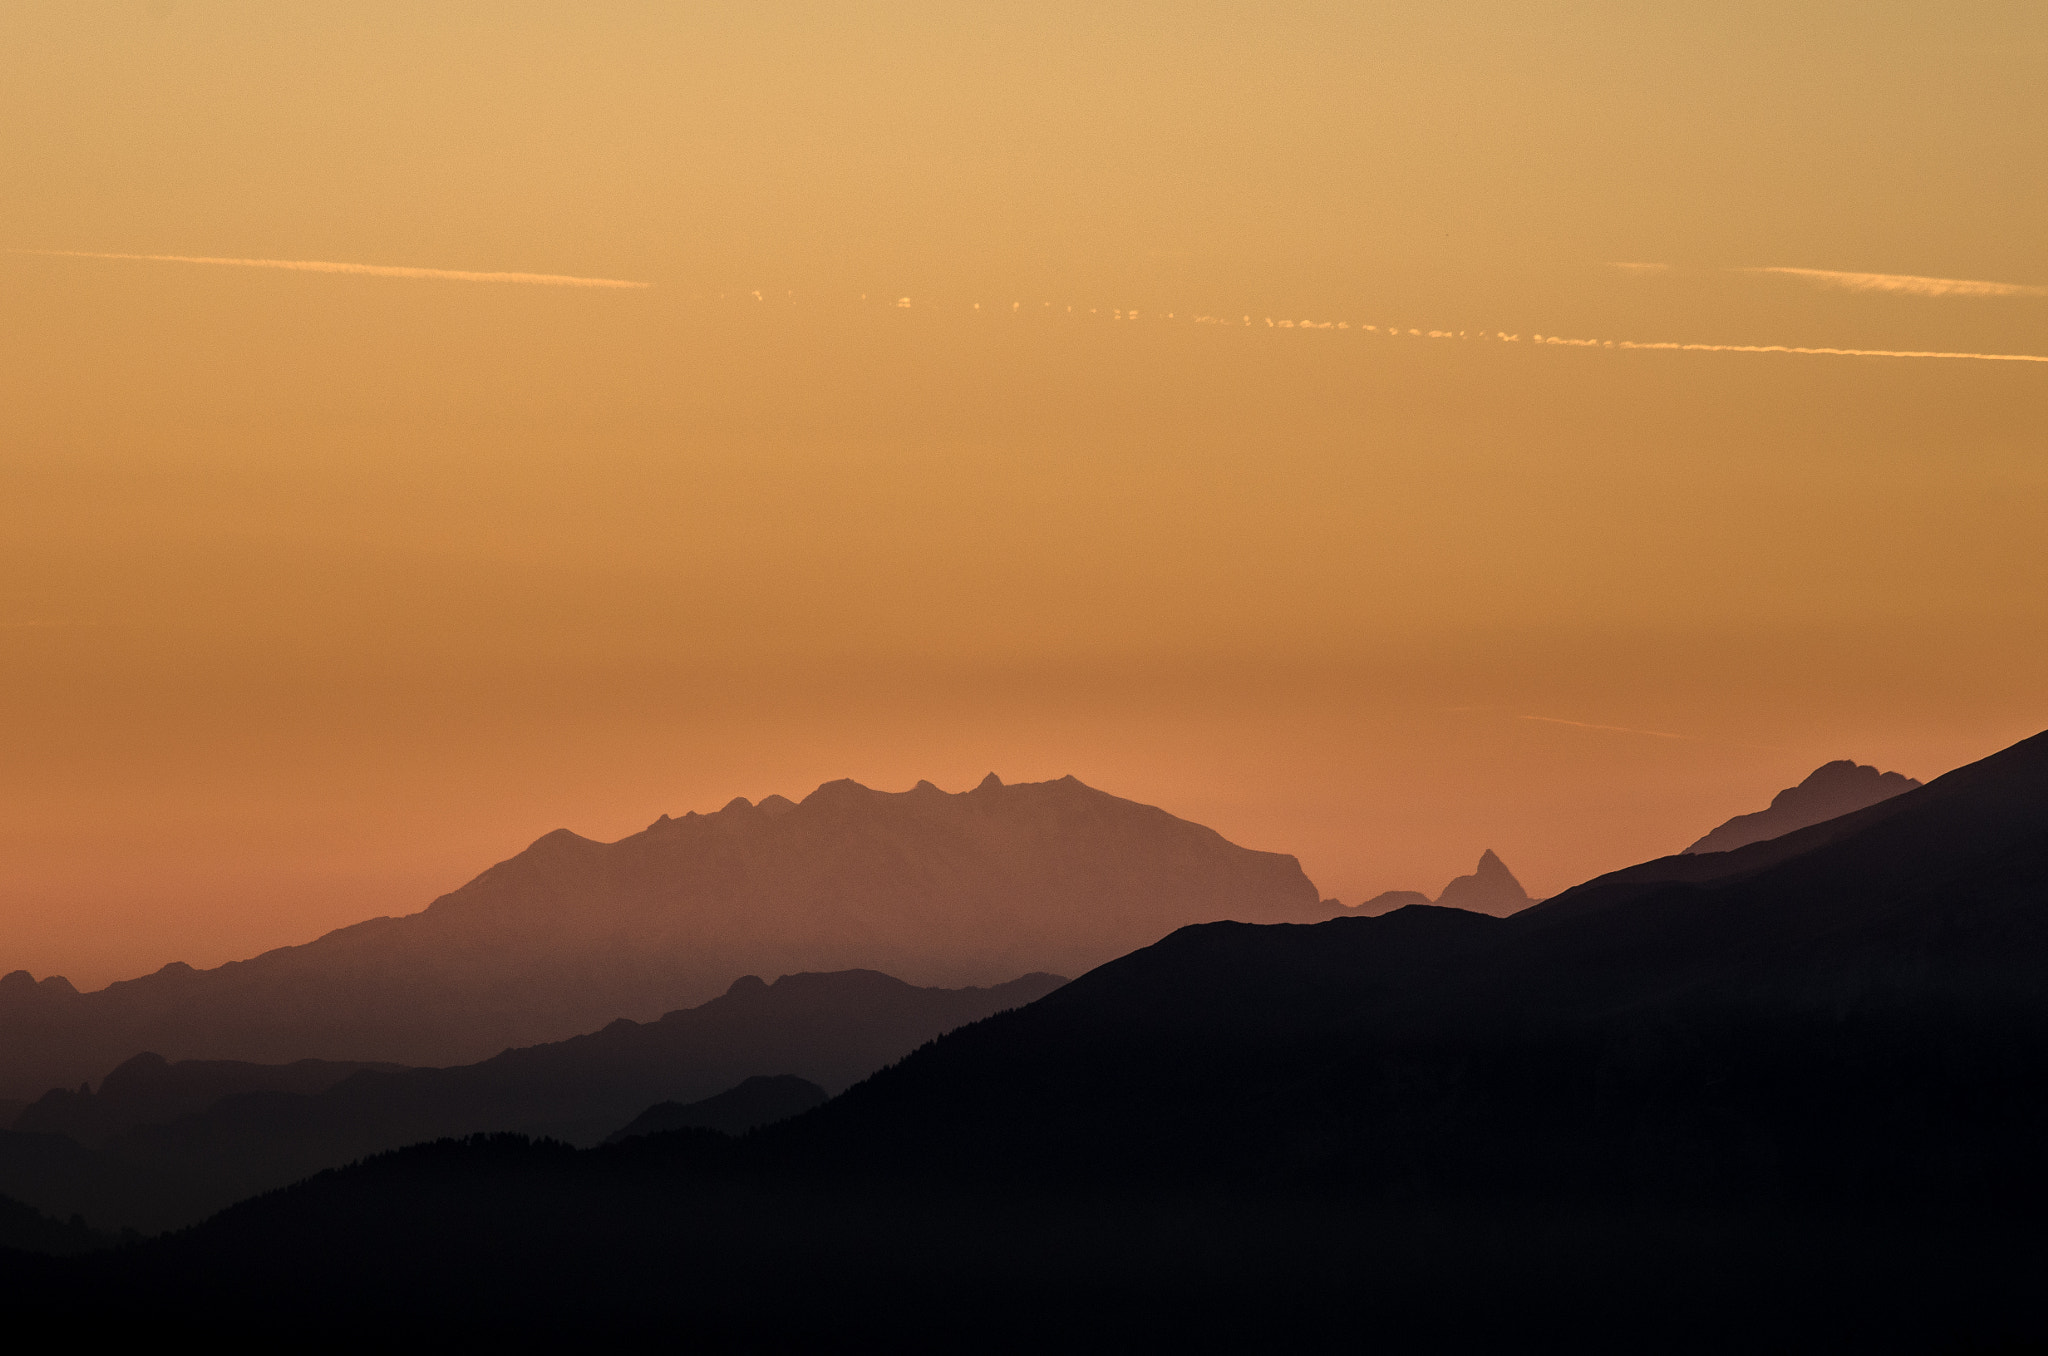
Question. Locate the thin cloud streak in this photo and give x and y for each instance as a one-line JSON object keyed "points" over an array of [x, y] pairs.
{"points": [[1905, 284], [359, 270], [1612, 729], [1792, 348]]}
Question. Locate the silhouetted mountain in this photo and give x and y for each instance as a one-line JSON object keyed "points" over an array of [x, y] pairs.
{"points": [[826, 1029], [941, 889], [1830, 790], [1390, 900], [150, 1090], [760, 1100], [29, 1230], [1491, 888], [1787, 1097]]}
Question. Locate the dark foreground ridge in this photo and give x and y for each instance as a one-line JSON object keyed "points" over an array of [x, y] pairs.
{"points": [[1783, 1098]]}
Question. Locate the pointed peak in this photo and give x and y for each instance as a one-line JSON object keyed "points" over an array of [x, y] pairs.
{"points": [[925, 788], [989, 783], [737, 803], [1492, 888]]}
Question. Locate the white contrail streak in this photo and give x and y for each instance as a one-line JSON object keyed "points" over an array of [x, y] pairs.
{"points": [[1795, 348], [1905, 283], [1614, 729], [361, 270]]}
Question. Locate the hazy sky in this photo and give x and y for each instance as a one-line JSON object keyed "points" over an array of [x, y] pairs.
{"points": [[322, 590]]}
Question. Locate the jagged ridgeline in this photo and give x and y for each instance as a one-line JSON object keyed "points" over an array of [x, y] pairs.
{"points": [[935, 888]]}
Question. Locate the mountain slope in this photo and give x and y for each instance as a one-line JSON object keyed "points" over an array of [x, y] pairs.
{"points": [[941, 889]]}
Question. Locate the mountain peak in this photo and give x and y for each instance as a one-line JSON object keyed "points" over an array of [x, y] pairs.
{"points": [[836, 792], [1491, 888], [989, 783]]}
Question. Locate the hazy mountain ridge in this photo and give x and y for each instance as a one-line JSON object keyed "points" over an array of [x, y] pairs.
{"points": [[1490, 888], [256, 1133], [941, 889], [149, 1090], [761, 1100], [1828, 792]]}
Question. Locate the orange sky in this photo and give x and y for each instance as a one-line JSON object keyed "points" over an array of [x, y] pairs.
{"points": [[320, 592]]}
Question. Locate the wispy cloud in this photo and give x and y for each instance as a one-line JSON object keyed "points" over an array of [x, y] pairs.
{"points": [[1642, 268], [360, 270], [1611, 729], [1905, 284]]}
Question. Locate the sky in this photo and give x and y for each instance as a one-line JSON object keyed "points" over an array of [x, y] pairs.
{"points": [[963, 417]]}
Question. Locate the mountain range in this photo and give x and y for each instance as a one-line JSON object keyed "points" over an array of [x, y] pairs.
{"points": [[1490, 889], [973, 888], [1788, 1096], [161, 1145]]}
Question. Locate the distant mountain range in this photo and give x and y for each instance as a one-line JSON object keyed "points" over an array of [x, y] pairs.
{"points": [[1829, 791], [1785, 1097], [759, 1101], [161, 1145], [1490, 889], [972, 888]]}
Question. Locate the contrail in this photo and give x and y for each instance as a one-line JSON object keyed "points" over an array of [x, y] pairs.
{"points": [[1906, 283], [1614, 729], [361, 270], [1242, 321], [1794, 348]]}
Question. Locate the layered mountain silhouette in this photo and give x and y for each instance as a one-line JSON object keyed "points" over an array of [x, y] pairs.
{"points": [[760, 1100], [1491, 889], [150, 1090], [1788, 1096], [267, 1127], [1830, 790], [941, 889]]}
